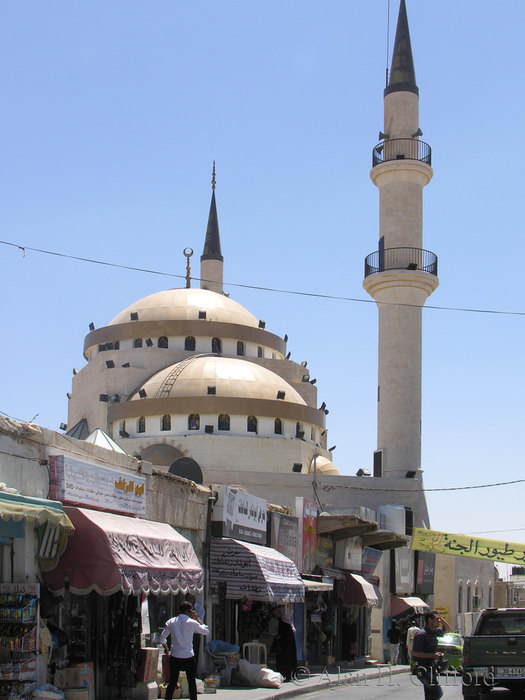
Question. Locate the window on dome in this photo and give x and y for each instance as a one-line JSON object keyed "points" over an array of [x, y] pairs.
{"points": [[240, 347], [259, 351], [278, 426], [224, 422], [299, 432], [189, 343], [117, 345], [252, 424], [137, 343], [216, 345], [312, 433], [162, 342], [166, 422], [141, 425], [194, 421]]}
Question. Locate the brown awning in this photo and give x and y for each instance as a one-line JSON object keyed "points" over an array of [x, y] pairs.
{"points": [[383, 539], [359, 591], [340, 527]]}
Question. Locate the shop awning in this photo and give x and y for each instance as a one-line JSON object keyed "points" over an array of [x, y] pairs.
{"points": [[342, 526], [359, 591], [14, 506], [52, 523], [318, 586], [110, 553], [384, 539], [404, 606], [259, 573]]}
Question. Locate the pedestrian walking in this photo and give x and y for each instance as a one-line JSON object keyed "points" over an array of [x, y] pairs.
{"points": [[394, 638], [285, 646], [181, 656], [426, 655], [411, 631]]}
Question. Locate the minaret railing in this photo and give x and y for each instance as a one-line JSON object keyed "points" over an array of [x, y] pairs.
{"points": [[401, 149], [415, 259]]}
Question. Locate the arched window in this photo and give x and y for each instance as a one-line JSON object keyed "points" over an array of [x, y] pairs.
{"points": [[194, 421], [216, 345], [137, 343], [299, 432], [278, 426], [240, 347], [469, 597], [117, 345], [460, 597], [162, 342], [166, 422], [189, 343], [259, 351], [251, 424], [224, 422], [141, 425], [312, 433]]}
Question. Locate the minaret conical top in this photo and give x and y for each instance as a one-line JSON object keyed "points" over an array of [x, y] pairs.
{"points": [[212, 242], [402, 72]]}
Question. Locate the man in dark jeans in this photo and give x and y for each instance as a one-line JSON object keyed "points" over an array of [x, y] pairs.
{"points": [[182, 658], [425, 653]]}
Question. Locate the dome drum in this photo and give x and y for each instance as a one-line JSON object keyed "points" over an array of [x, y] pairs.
{"points": [[182, 329], [216, 405]]}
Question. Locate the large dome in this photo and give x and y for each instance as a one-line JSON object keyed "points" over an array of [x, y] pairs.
{"points": [[232, 378], [185, 305]]}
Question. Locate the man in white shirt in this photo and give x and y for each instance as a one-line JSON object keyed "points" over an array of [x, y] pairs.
{"points": [[182, 658]]}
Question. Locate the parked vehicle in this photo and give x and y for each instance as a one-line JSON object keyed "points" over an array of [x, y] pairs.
{"points": [[494, 654], [451, 644]]}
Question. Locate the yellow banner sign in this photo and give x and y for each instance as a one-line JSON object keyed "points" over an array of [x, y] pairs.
{"points": [[465, 546]]}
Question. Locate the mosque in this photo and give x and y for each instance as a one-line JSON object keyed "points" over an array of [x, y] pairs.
{"points": [[192, 382], [188, 379]]}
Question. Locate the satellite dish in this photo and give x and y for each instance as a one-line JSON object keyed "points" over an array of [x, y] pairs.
{"points": [[187, 468]]}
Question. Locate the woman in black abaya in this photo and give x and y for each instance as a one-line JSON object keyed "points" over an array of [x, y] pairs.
{"points": [[286, 650]]}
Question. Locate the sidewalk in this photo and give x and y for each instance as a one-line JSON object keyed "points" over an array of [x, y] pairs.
{"points": [[316, 679]]}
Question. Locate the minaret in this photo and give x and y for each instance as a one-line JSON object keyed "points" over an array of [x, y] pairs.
{"points": [[400, 276], [211, 259]]}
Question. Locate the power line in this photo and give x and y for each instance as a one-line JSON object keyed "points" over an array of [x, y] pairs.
{"points": [[327, 487], [275, 290]]}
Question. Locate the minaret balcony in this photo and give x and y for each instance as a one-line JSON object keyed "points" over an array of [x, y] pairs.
{"points": [[401, 149], [401, 259]]}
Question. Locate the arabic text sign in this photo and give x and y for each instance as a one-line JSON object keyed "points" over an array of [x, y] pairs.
{"points": [[81, 483], [465, 546]]}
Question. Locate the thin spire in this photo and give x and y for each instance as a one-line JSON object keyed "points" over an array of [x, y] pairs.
{"points": [[212, 243], [402, 72]]}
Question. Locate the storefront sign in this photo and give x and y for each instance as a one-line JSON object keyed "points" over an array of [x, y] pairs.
{"points": [[239, 515], [348, 554], [285, 536], [80, 483], [425, 565], [306, 511], [465, 546], [443, 611], [404, 570], [370, 559]]}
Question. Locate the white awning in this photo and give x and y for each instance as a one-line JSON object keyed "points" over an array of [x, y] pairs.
{"points": [[321, 586], [257, 572]]}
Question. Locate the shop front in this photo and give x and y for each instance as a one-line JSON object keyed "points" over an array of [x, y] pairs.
{"points": [[111, 565], [247, 580]]}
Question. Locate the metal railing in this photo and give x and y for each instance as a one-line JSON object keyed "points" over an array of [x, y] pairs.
{"points": [[401, 149], [401, 259]]}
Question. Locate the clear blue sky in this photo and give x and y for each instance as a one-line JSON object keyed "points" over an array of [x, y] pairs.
{"points": [[111, 114]]}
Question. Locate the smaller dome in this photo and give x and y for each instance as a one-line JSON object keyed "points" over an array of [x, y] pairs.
{"points": [[185, 305], [324, 466], [231, 377]]}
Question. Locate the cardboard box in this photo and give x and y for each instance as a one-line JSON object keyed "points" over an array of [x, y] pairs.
{"points": [[86, 676], [148, 665], [67, 678], [76, 694]]}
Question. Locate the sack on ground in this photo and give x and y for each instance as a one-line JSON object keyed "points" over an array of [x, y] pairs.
{"points": [[259, 677]]}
